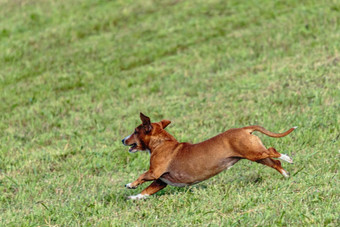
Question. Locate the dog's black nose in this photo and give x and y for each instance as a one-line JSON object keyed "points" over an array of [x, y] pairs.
{"points": [[123, 141]]}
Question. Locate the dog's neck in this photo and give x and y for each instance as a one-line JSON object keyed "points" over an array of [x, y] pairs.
{"points": [[162, 141]]}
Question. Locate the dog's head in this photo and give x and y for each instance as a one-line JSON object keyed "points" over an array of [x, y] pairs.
{"points": [[139, 140]]}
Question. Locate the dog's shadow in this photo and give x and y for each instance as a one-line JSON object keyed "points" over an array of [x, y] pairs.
{"points": [[243, 181], [125, 193]]}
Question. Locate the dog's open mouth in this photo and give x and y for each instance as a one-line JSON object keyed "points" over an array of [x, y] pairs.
{"points": [[133, 147]]}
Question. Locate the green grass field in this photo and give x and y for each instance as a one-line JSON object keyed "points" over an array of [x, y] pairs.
{"points": [[74, 76]]}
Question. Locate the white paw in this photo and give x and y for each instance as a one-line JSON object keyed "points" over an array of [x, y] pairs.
{"points": [[139, 196], [285, 174], [129, 186], [286, 158]]}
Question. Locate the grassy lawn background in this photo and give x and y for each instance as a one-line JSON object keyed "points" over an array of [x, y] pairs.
{"points": [[74, 76]]}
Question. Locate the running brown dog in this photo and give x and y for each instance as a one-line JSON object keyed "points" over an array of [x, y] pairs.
{"points": [[182, 164]]}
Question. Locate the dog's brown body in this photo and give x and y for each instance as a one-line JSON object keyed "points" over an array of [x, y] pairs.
{"points": [[181, 164]]}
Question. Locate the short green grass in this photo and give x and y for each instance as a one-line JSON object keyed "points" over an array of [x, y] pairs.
{"points": [[74, 76]]}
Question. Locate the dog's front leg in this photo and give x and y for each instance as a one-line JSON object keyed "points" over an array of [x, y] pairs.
{"points": [[151, 189], [147, 176]]}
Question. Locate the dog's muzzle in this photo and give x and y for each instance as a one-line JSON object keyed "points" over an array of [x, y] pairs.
{"points": [[132, 148]]}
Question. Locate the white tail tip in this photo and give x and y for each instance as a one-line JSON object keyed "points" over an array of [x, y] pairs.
{"points": [[295, 127]]}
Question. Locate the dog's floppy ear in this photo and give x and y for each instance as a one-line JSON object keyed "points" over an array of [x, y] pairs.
{"points": [[146, 123], [165, 123]]}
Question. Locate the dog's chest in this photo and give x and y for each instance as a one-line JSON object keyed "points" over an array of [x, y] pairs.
{"points": [[174, 179], [176, 184]]}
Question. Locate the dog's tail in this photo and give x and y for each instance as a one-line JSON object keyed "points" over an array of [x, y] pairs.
{"points": [[253, 128]]}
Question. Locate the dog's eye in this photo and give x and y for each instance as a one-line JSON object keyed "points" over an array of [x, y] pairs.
{"points": [[135, 132]]}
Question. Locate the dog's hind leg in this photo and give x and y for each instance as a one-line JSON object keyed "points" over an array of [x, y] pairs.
{"points": [[278, 155], [154, 187], [276, 164], [268, 153]]}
